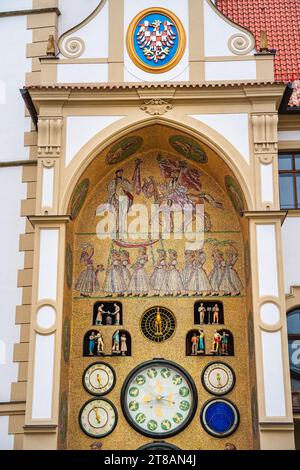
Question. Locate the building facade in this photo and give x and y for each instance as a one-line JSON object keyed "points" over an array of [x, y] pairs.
{"points": [[124, 337]]}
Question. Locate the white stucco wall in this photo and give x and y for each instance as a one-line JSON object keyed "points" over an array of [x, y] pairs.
{"points": [[291, 252], [11, 193], [73, 12], [14, 65], [6, 440], [13, 5], [217, 33], [234, 127]]}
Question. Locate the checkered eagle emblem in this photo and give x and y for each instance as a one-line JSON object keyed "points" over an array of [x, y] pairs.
{"points": [[156, 39]]}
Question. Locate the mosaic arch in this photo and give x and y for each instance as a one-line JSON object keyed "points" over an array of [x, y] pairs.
{"points": [[156, 165]]}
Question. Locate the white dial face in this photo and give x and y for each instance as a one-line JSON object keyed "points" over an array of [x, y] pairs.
{"points": [[218, 378], [99, 379], [98, 418], [159, 399]]}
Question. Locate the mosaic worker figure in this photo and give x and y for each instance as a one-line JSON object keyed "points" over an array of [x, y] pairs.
{"points": [[139, 283], [199, 283], [114, 281], [87, 282], [174, 281], [159, 276]]}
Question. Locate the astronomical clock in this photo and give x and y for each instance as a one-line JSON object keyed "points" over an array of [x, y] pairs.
{"points": [[156, 333]]}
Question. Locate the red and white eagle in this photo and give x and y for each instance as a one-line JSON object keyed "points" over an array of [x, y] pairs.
{"points": [[155, 41]]}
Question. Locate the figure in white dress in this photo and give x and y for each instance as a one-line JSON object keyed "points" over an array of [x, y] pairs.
{"points": [[174, 281], [87, 282], [232, 282], [120, 197], [188, 268], [140, 283], [114, 282], [125, 263], [199, 283], [159, 276], [216, 276]]}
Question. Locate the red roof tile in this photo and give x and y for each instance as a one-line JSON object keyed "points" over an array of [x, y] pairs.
{"points": [[281, 20]]}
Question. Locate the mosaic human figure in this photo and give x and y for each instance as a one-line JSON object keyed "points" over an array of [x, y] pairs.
{"points": [[233, 284], [188, 268], [87, 282], [216, 276], [199, 283], [140, 283], [159, 275], [100, 313], [120, 197], [174, 281], [114, 281], [125, 263]]}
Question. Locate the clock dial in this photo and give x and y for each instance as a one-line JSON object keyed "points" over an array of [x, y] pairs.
{"points": [[158, 324], [98, 418], [220, 417], [99, 379], [218, 378], [159, 398]]}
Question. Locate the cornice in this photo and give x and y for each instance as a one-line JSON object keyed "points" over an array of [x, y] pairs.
{"points": [[113, 92]]}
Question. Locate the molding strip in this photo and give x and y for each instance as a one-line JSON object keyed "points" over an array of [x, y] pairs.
{"points": [[34, 11], [18, 163]]}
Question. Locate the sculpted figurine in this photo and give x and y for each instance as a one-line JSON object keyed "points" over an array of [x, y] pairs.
{"points": [[201, 338], [195, 343], [92, 339], [216, 311], [225, 343], [202, 311], [116, 343], [158, 324], [123, 344], [99, 317], [216, 343], [100, 344], [116, 314]]}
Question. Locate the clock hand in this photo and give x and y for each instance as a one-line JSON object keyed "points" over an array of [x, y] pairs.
{"points": [[97, 415]]}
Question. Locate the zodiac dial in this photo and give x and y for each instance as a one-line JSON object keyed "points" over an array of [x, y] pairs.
{"points": [[159, 398], [158, 324], [98, 418]]}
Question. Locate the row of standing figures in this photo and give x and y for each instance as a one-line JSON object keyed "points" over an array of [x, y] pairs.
{"points": [[221, 343], [96, 345], [124, 279]]}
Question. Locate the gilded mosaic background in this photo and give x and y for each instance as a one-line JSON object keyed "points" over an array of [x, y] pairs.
{"points": [[157, 165]]}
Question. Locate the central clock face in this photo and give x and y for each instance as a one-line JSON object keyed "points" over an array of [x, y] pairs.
{"points": [[159, 398]]}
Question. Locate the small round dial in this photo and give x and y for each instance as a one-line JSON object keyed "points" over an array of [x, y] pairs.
{"points": [[218, 378], [98, 418], [220, 417], [159, 398], [99, 379]]}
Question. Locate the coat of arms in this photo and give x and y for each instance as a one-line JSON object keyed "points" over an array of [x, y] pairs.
{"points": [[156, 40]]}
